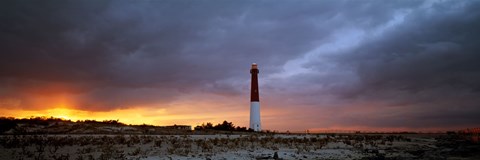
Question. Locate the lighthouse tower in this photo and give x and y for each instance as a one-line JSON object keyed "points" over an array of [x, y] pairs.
{"points": [[255, 101]]}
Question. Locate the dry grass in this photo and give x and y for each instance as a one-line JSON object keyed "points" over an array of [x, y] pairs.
{"points": [[84, 147]]}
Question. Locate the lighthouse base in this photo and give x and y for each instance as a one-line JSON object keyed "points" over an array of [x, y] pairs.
{"points": [[255, 116]]}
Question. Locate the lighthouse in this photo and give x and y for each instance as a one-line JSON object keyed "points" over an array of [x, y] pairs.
{"points": [[255, 101]]}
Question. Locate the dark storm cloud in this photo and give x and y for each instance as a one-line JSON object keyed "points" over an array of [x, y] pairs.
{"points": [[112, 48], [421, 56], [427, 65], [441, 53], [432, 48]]}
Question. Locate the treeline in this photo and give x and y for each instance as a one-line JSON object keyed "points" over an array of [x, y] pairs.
{"points": [[115, 122], [45, 120], [7, 123], [225, 126]]}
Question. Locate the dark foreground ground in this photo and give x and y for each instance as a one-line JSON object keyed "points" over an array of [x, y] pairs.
{"points": [[238, 146]]}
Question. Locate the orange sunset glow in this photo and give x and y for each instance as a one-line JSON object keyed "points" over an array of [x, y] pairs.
{"points": [[139, 115]]}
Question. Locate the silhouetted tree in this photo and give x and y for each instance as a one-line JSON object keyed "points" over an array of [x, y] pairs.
{"points": [[224, 126], [209, 126]]}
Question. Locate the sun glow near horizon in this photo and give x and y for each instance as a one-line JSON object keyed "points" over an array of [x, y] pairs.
{"points": [[134, 115], [128, 116]]}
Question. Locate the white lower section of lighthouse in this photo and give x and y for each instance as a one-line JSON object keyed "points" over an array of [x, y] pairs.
{"points": [[255, 116]]}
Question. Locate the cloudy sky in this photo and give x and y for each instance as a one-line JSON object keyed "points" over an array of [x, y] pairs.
{"points": [[348, 65]]}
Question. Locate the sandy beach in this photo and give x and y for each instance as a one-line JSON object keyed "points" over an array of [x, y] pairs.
{"points": [[237, 146]]}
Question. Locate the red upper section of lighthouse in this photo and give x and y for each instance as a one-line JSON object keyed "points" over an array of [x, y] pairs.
{"points": [[254, 91]]}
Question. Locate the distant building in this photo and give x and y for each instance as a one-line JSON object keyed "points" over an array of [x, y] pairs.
{"points": [[180, 127]]}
